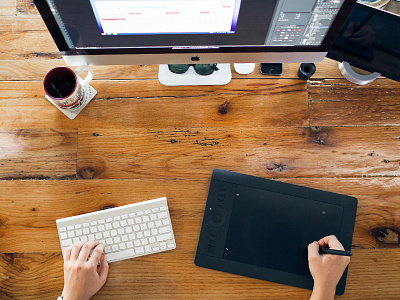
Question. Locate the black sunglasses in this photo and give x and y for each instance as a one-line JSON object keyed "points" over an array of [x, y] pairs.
{"points": [[201, 69]]}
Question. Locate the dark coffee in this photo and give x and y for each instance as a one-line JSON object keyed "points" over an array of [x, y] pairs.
{"points": [[60, 82]]}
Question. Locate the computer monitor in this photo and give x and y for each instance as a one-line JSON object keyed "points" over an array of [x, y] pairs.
{"points": [[370, 40], [112, 32]]}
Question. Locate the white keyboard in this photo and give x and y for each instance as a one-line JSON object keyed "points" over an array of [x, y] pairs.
{"points": [[128, 231]]}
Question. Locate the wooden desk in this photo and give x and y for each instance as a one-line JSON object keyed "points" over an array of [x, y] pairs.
{"points": [[139, 140]]}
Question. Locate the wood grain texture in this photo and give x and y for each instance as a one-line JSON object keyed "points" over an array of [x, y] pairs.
{"points": [[37, 204], [275, 152], [139, 140], [37, 154], [147, 104], [334, 102], [7, 7]]}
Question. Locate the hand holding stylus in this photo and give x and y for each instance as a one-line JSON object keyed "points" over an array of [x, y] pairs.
{"points": [[326, 270]]}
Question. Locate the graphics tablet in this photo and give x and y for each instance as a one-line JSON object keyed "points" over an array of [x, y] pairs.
{"points": [[261, 228]]}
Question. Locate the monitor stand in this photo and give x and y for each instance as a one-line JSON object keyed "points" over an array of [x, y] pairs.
{"points": [[190, 77], [356, 75]]}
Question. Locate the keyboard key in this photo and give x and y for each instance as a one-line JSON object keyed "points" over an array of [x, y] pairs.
{"points": [[122, 246], [124, 216], [84, 238], [93, 229], [71, 227], [165, 222], [121, 255], [162, 215], [164, 237], [78, 232], [99, 236], [123, 223], [117, 218], [101, 221], [63, 229], [114, 248], [86, 230], [63, 235], [76, 240], [78, 226], [101, 228], [148, 248], [139, 213], [66, 243], [93, 223], [164, 229], [137, 243], [140, 250], [147, 211], [115, 224], [163, 208], [71, 234], [129, 245]]}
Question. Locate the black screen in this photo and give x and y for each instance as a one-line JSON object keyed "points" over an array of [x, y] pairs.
{"points": [[257, 236], [370, 40]]}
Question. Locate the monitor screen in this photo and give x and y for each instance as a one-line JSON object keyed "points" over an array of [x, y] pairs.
{"points": [[370, 40], [106, 27]]}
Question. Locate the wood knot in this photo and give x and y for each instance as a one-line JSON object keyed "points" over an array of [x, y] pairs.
{"points": [[173, 141], [276, 167], [88, 173], [388, 236], [223, 108]]}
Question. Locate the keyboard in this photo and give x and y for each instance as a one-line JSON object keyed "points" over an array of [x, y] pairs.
{"points": [[128, 231]]}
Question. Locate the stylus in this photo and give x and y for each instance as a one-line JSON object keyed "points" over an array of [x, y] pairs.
{"points": [[334, 252]]}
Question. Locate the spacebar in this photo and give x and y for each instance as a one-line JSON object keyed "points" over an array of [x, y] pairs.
{"points": [[120, 255]]}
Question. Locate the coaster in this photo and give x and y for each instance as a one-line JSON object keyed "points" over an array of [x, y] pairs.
{"points": [[89, 93]]}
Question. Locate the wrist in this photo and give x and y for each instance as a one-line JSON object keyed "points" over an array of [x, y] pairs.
{"points": [[323, 292]]}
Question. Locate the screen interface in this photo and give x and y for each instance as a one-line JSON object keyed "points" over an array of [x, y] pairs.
{"points": [[177, 23], [166, 17], [273, 230]]}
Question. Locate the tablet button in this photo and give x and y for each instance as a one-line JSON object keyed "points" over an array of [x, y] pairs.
{"points": [[217, 219]]}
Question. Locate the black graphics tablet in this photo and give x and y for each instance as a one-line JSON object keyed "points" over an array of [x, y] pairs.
{"points": [[261, 228]]}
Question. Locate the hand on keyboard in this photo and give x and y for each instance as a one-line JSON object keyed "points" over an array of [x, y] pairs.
{"points": [[128, 231], [81, 278]]}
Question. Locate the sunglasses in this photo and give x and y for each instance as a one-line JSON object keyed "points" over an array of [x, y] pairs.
{"points": [[201, 69]]}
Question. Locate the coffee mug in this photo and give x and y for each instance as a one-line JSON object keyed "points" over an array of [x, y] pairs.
{"points": [[65, 88]]}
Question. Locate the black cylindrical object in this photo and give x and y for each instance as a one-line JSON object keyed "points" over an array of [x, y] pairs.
{"points": [[306, 70]]}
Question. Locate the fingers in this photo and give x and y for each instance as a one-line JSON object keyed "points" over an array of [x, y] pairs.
{"points": [[75, 250], [67, 254], [313, 251], [96, 254], [331, 241], [85, 251], [103, 270]]}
